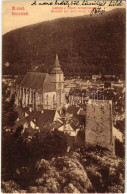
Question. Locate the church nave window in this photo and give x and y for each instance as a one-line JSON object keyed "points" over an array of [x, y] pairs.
{"points": [[53, 98], [47, 99]]}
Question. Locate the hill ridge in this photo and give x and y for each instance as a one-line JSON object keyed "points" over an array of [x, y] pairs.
{"points": [[84, 44]]}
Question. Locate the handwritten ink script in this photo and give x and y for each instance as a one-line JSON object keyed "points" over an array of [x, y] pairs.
{"points": [[98, 6], [97, 10]]}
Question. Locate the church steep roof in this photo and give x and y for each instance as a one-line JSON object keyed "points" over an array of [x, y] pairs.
{"points": [[56, 64], [34, 80], [48, 87], [56, 67]]}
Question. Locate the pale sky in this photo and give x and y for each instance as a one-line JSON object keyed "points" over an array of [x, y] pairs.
{"points": [[36, 13]]}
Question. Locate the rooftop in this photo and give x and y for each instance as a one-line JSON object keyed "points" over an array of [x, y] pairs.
{"points": [[34, 80], [46, 118], [73, 109]]}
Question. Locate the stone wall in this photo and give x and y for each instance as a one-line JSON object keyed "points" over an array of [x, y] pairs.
{"points": [[99, 124]]}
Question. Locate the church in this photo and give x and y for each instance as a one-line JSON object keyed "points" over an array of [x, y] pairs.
{"points": [[41, 90]]}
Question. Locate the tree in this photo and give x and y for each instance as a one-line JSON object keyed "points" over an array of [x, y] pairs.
{"points": [[49, 143]]}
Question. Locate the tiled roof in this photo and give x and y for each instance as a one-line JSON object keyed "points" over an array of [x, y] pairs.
{"points": [[34, 80], [46, 118], [34, 115], [73, 125], [73, 109], [57, 124], [22, 121], [42, 119], [75, 119], [48, 87]]}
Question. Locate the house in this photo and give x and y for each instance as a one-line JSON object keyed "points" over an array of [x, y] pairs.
{"points": [[117, 134], [110, 76], [77, 96], [32, 117], [59, 125], [72, 110], [97, 76], [70, 128], [116, 84], [85, 83], [23, 122], [41, 90], [72, 122], [77, 113], [21, 112], [47, 118], [42, 120], [107, 85], [36, 120]]}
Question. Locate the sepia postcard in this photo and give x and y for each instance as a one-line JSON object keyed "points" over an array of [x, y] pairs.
{"points": [[63, 96]]}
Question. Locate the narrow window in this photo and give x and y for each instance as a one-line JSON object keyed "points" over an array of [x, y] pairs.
{"points": [[47, 99], [53, 98]]}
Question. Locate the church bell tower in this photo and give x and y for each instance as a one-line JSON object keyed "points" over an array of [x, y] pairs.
{"points": [[57, 75], [57, 78]]}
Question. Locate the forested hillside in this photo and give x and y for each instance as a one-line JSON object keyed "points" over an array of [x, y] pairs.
{"points": [[84, 44]]}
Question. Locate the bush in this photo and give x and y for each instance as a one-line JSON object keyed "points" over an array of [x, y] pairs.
{"points": [[39, 169]]}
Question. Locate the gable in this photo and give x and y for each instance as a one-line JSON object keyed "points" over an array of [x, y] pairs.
{"points": [[57, 116], [68, 127]]}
